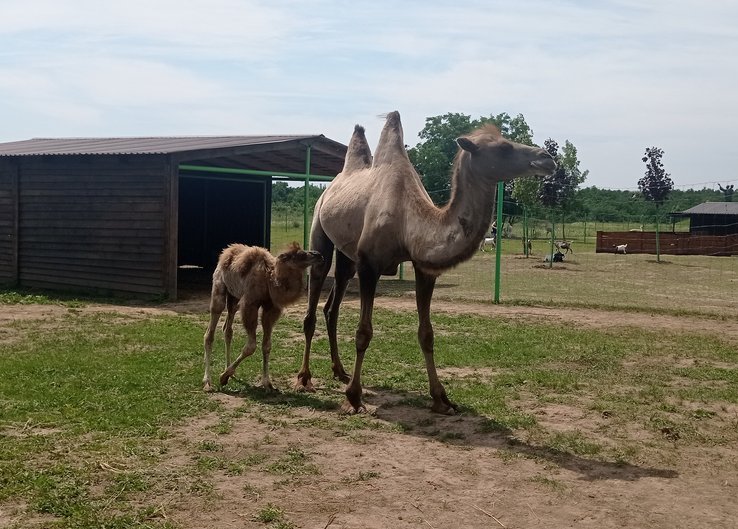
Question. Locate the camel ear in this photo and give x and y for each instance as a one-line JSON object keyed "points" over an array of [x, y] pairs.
{"points": [[467, 144]]}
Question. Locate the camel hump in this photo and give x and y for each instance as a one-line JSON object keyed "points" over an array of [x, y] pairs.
{"points": [[391, 146], [358, 154]]}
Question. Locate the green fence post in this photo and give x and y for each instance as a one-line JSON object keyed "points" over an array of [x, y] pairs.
{"points": [[498, 242], [305, 233]]}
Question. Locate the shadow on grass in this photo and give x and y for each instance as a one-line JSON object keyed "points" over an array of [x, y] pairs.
{"points": [[469, 428], [411, 414]]}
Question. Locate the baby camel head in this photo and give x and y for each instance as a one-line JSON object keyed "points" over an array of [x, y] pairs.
{"points": [[296, 258]]}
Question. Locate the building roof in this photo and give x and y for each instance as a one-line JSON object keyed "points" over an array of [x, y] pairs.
{"points": [[711, 208], [145, 145], [283, 153]]}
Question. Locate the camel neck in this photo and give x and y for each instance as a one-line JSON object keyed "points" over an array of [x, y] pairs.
{"points": [[461, 224]]}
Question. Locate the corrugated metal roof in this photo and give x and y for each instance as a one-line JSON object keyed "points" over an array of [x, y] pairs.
{"points": [[145, 145], [712, 208]]}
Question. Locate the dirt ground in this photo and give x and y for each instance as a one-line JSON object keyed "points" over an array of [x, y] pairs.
{"points": [[384, 478]]}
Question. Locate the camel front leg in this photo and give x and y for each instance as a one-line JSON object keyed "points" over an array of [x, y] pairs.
{"points": [[250, 319], [269, 317], [367, 288], [424, 285], [319, 242]]}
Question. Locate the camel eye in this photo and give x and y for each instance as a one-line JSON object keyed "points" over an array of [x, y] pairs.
{"points": [[506, 148]]}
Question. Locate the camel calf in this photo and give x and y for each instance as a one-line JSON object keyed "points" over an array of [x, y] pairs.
{"points": [[255, 279]]}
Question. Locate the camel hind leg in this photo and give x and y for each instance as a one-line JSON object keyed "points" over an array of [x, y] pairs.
{"points": [[231, 306], [218, 297], [319, 242], [345, 270], [250, 319]]}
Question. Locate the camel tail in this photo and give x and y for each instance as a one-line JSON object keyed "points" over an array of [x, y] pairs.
{"points": [[358, 155], [391, 146]]}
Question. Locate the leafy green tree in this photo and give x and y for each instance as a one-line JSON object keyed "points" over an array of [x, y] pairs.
{"points": [[558, 190], [433, 156]]}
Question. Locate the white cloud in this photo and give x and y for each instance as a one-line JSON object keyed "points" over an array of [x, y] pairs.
{"points": [[613, 77]]}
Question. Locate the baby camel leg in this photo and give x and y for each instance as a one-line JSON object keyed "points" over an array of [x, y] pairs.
{"points": [[217, 305], [231, 306], [269, 317], [250, 319]]}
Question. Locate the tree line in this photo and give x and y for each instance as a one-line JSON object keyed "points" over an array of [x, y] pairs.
{"points": [[560, 194]]}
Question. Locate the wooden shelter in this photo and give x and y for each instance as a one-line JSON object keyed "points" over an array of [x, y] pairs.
{"points": [[712, 218], [121, 215]]}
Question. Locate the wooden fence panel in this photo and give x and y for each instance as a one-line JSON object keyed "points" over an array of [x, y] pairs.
{"points": [[681, 243]]}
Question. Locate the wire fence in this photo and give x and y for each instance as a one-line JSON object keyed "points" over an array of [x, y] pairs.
{"points": [[587, 275]]}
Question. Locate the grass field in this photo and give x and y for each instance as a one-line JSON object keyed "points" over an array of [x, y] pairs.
{"points": [[98, 403], [564, 422], [702, 285]]}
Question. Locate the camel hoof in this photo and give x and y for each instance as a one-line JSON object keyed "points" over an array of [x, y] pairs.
{"points": [[306, 388], [207, 387], [224, 378], [350, 409], [341, 375], [269, 387]]}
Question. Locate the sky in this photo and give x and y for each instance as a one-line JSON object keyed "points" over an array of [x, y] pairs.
{"points": [[612, 76]]}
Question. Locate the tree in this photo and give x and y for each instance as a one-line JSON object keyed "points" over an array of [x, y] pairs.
{"points": [[559, 190], [727, 192], [433, 157], [655, 185]]}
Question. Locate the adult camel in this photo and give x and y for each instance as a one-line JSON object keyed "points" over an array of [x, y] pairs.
{"points": [[377, 214]]}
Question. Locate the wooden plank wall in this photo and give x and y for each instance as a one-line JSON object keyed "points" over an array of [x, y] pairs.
{"points": [[94, 223], [8, 222], [669, 243]]}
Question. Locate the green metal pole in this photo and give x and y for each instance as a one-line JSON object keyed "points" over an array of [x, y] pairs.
{"points": [[553, 237], [658, 249], [305, 230], [498, 242]]}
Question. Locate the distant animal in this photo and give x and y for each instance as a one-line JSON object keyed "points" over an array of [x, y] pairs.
{"points": [[488, 241], [564, 245], [376, 214], [252, 278], [620, 248], [558, 257]]}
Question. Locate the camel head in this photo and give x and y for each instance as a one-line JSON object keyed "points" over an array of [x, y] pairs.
{"points": [[490, 154], [297, 258]]}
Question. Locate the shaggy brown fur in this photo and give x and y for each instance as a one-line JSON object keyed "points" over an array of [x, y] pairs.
{"points": [[253, 278], [377, 214]]}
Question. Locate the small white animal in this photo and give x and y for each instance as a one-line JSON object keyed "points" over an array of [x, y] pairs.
{"points": [[620, 248], [491, 241]]}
